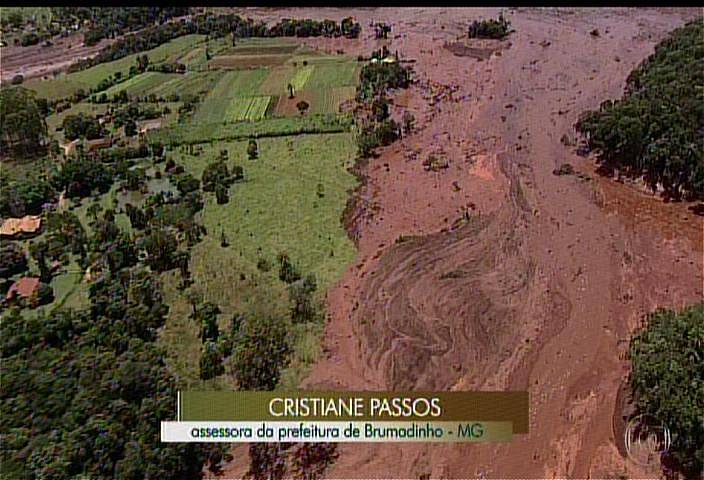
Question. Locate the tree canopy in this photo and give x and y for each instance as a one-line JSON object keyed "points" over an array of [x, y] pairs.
{"points": [[655, 131], [668, 380], [23, 126]]}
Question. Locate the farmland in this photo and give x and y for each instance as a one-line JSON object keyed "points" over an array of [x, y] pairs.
{"points": [[68, 83], [290, 200]]}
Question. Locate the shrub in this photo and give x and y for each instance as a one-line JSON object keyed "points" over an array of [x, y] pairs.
{"points": [[496, 29], [260, 352]]}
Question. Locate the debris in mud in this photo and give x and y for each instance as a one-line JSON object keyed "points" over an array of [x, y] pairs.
{"points": [[453, 274], [595, 33], [482, 52], [435, 164], [583, 150], [566, 140], [565, 169]]}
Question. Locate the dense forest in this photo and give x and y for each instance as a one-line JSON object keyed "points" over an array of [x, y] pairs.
{"points": [[23, 125], [668, 382], [655, 131], [218, 26]]}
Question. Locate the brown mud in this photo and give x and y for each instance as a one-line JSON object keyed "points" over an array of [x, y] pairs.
{"points": [[542, 286]]}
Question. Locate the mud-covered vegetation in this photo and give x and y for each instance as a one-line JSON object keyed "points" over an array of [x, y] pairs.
{"points": [[376, 127], [496, 29], [668, 382], [655, 131]]}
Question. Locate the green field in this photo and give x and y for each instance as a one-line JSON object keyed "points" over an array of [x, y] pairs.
{"points": [[340, 74], [232, 85], [247, 108], [300, 78], [276, 209], [142, 84], [191, 83]]}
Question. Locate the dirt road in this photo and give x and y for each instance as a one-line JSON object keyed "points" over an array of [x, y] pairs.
{"points": [[541, 288]]}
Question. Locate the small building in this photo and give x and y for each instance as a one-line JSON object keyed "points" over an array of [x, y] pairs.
{"points": [[98, 144], [70, 147], [26, 288], [144, 127], [25, 226]]}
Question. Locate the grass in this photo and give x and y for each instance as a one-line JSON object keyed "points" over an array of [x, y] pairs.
{"points": [[333, 75], [275, 209], [300, 78], [242, 83], [247, 61], [248, 108], [200, 132], [191, 83], [143, 83]]}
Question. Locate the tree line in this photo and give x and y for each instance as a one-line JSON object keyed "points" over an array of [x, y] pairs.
{"points": [[217, 26], [655, 130]]}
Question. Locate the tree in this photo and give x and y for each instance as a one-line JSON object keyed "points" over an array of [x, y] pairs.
{"points": [[408, 121], [252, 149], [300, 293], [130, 128], [654, 131], [206, 316], [23, 126], [12, 260], [210, 364], [186, 184], [668, 381], [302, 106], [221, 195], [24, 197], [287, 270], [215, 173], [260, 351], [160, 246], [491, 28]]}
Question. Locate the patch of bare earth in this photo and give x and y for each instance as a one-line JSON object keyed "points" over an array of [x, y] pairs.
{"points": [[540, 284]]}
